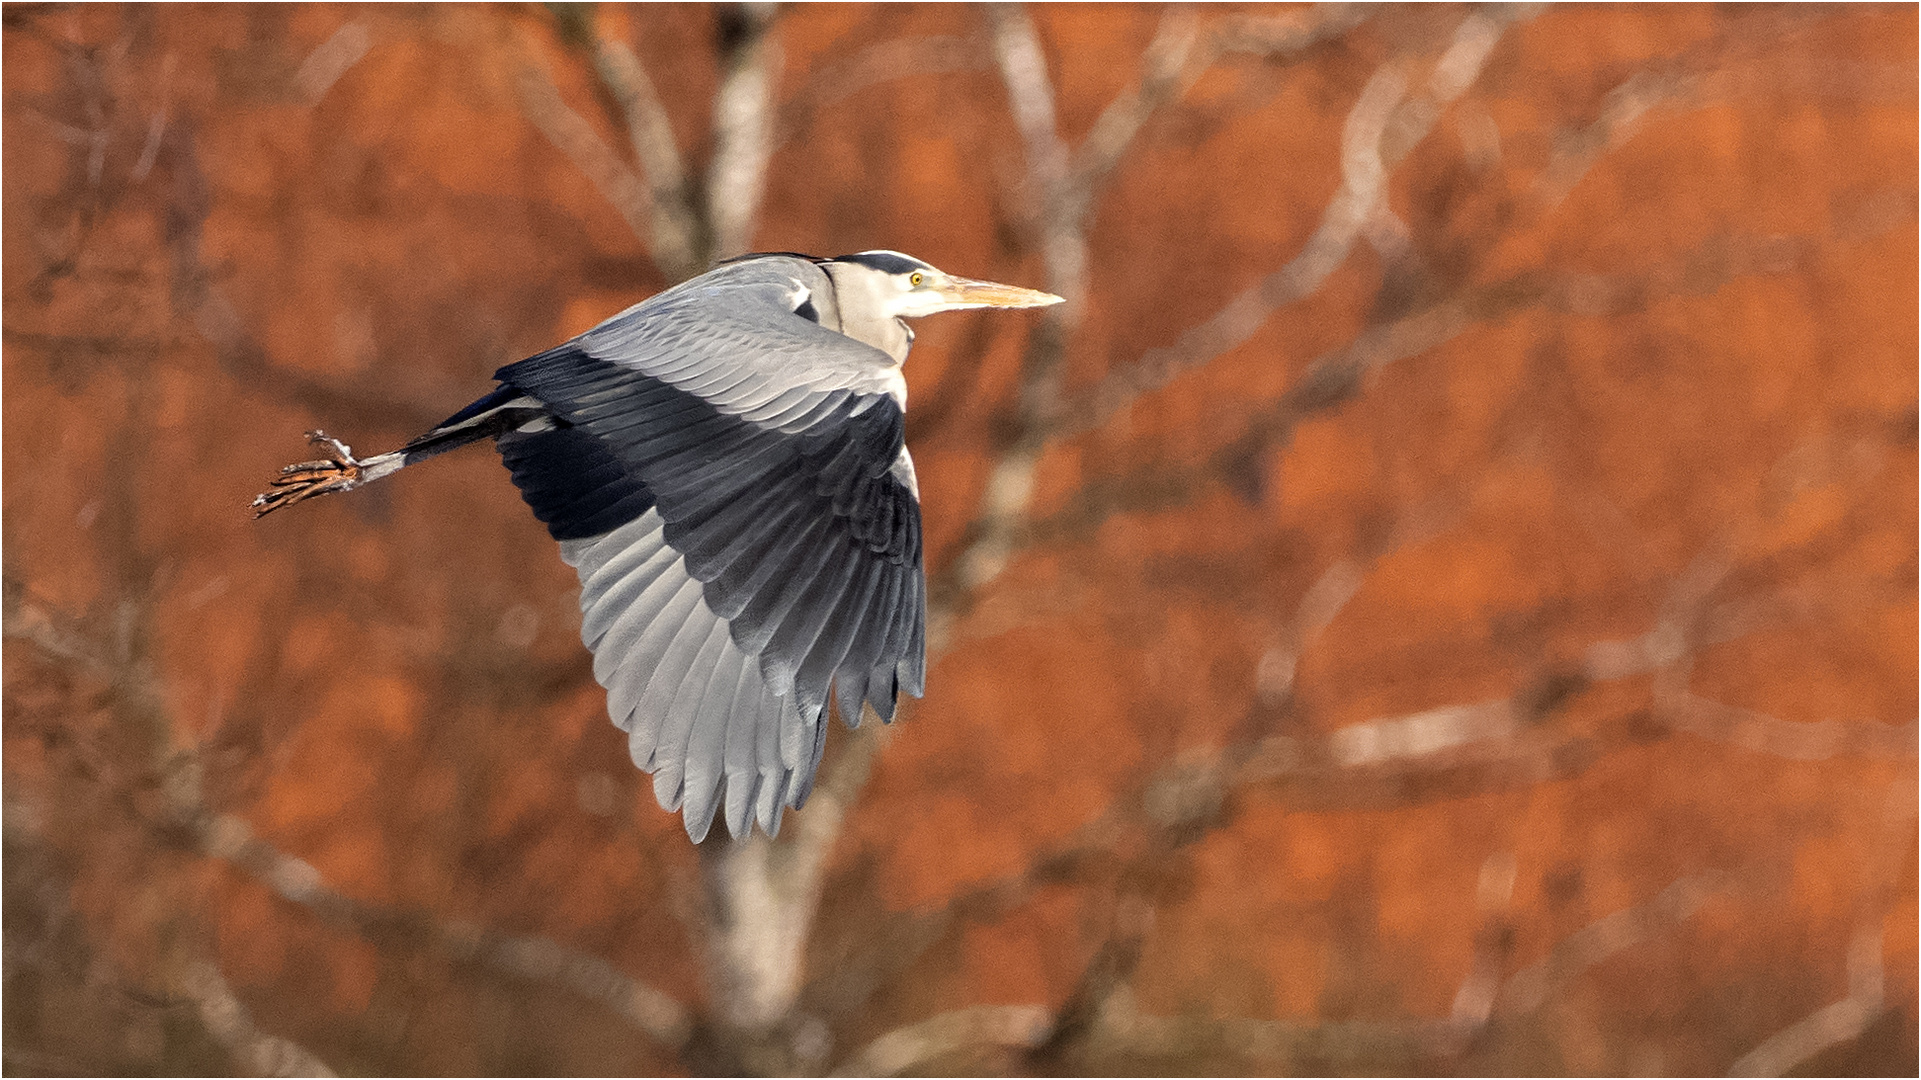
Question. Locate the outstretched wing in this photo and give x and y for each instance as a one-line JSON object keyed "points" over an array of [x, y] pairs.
{"points": [[728, 477]]}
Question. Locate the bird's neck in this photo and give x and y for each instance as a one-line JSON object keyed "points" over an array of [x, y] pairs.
{"points": [[891, 336], [884, 332]]}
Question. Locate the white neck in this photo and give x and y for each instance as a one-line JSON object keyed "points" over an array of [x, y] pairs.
{"points": [[886, 333]]}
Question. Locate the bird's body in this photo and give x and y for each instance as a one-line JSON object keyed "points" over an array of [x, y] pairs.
{"points": [[724, 466]]}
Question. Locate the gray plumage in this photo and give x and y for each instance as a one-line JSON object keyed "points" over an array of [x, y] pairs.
{"points": [[724, 466]]}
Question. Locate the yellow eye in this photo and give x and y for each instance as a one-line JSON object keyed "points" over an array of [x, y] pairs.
{"points": [[915, 279]]}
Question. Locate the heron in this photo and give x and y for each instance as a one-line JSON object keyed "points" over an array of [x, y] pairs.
{"points": [[724, 465]]}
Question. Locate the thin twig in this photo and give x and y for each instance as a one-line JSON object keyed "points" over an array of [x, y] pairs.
{"points": [[1179, 54], [231, 840], [575, 137], [1829, 1026], [1817, 740], [1604, 938], [1169, 65], [1494, 897], [1383, 126], [654, 1014], [1847, 1019], [885, 61], [674, 226], [1352, 1046]]}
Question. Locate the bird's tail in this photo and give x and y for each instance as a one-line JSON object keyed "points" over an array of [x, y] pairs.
{"points": [[504, 410]]}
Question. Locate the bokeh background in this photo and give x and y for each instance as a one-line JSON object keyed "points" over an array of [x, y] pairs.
{"points": [[1440, 598]]}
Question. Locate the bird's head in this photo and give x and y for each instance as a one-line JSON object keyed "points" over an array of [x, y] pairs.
{"points": [[887, 284]]}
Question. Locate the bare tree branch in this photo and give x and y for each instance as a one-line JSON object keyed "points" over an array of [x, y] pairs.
{"points": [[1122, 1033], [882, 62], [575, 137], [743, 126], [1168, 68], [832, 801], [1180, 53], [1847, 1019], [1324, 600], [331, 59], [674, 226], [1620, 114], [1796, 740], [187, 821], [653, 1013], [255, 1053], [1354, 1046], [1030, 96], [1002, 510], [1829, 1026], [1382, 127], [1605, 938], [915, 1046], [1287, 33], [1494, 896], [1686, 81]]}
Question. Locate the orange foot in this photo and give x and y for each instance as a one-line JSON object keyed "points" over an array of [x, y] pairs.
{"points": [[309, 478]]}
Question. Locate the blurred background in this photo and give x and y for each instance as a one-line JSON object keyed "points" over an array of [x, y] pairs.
{"points": [[1440, 597]]}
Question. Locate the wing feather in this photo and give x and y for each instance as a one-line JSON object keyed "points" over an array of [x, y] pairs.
{"points": [[623, 634], [742, 722], [744, 535], [766, 413], [767, 613], [618, 584], [837, 633], [801, 783], [769, 760], [674, 692], [642, 650], [700, 699], [757, 545], [800, 634], [764, 571]]}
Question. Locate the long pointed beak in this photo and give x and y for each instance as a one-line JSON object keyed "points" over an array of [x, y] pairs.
{"points": [[971, 293]]}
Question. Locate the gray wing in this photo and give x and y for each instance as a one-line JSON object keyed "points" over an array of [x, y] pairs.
{"points": [[768, 542]]}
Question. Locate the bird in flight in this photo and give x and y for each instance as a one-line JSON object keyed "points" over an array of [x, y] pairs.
{"points": [[725, 466]]}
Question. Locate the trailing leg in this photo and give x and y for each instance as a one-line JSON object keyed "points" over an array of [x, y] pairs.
{"points": [[504, 410], [340, 471]]}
